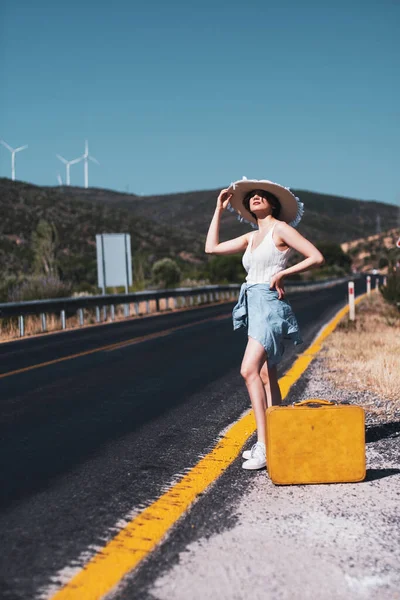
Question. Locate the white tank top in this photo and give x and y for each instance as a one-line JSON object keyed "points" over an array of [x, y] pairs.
{"points": [[265, 260]]}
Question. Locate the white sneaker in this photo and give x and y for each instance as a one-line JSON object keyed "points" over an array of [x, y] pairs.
{"points": [[247, 453], [257, 458]]}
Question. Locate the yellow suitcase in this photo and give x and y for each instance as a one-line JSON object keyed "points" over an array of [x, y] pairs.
{"points": [[315, 441]]}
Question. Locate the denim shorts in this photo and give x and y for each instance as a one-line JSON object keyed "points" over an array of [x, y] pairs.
{"points": [[269, 320]]}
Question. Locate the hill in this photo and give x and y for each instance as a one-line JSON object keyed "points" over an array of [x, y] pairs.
{"points": [[372, 252], [170, 225], [327, 217], [77, 222]]}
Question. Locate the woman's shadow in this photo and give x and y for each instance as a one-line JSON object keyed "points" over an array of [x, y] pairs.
{"points": [[374, 433]]}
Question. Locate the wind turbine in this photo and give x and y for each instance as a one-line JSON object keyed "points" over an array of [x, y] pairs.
{"points": [[13, 152], [68, 163], [86, 164], [59, 179]]}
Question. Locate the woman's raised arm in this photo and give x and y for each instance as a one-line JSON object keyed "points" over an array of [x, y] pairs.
{"points": [[212, 241]]}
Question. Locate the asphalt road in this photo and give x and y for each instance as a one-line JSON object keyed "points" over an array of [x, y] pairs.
{"points": [[91, 440]]}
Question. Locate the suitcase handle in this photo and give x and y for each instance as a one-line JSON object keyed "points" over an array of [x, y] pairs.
{"points": [[317, 401]]}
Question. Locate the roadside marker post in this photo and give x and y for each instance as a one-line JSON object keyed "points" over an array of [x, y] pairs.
{"points": [[368, 284], [352, 315]]}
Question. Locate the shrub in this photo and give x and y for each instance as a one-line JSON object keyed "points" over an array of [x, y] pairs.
{"points": [[166, 273], [325, 272], [45, 244], [225, 269], [383, 262], [391, 292], [39, 288], [7, 283], [334, 255]]}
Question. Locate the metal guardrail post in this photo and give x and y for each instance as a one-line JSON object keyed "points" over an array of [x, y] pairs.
{"points": [[147, 307], [136, 304], [43, 319], [112, 312], [97, 314], [127, 311], [104, 313], [62, 319], [81, 320], [158, 304], [21, 325]]}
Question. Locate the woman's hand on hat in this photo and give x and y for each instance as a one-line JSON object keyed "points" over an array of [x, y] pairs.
{"points": [[223, 199], [277, 283]]}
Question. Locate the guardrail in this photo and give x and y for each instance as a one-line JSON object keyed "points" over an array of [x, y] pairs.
{"points": [[65, 307]]}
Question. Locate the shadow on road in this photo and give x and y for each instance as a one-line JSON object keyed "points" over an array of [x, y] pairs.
{"points": [[380, 432], [373, 474]]}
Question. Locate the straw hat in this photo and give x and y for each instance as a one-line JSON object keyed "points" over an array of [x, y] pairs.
{"points": [[292, 209]]}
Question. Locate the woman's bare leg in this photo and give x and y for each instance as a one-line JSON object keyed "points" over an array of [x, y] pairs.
{"points": [[253, 359], [269, 377]]}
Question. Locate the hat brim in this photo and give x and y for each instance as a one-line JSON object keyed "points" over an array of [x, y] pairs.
{"points": [[290, 204]]}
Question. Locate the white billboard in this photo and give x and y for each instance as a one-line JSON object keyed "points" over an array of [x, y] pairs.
{"points": [[114, 262]]}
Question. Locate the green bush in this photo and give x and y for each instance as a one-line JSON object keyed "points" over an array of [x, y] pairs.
{"points": [[391, 292], [383, 262], [325, 272], [334, 255], [7, 283], [225, 269], [166, 273]]}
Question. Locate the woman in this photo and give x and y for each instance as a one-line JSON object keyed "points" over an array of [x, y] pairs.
{"points": [[275, 212]]}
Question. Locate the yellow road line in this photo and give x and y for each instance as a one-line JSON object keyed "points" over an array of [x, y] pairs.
{"points": [[115, 346], [135, 541]]}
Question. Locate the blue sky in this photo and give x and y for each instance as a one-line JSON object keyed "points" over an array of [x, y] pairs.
{"points": [[177, 96]]}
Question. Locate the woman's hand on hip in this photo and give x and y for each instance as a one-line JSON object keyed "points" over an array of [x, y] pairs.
{"points": [[277, 283], [223, 199]]}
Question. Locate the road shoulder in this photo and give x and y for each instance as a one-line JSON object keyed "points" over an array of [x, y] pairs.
{"points": [[276, 542]]}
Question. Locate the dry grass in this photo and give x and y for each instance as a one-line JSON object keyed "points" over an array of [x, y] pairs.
{"points": [[364, 355]]}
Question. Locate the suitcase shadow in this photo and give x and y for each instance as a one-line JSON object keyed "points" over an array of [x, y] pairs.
{"points": [[373, 474], [374, 433]]}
